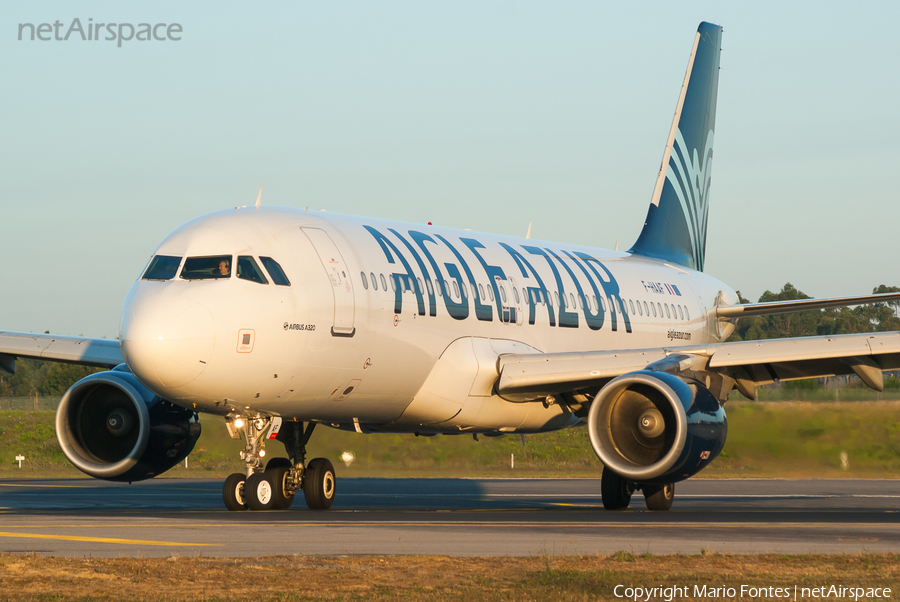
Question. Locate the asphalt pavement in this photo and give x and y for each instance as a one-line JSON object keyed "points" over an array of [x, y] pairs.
{"points": [[456, 517]]}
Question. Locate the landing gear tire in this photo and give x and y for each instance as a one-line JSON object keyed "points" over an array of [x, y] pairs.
{"points": [[659, 497], [615, 490], [319, 484], [233, 493], [259, 491], [279, 468], [283, 500]]}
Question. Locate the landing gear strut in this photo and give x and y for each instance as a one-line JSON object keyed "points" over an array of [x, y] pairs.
{"points": [[274, 488]]}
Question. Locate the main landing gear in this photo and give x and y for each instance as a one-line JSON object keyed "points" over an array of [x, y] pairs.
{"points": [[274, 487], [616, 492]]}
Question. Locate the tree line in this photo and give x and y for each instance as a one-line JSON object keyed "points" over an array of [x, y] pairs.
{"points": [[52, 379]]}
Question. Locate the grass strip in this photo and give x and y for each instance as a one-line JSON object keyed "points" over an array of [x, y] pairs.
{"points": [[285, 578], [793, 439]]}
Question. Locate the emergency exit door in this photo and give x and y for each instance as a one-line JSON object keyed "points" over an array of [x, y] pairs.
{"points": [[339, 276]]}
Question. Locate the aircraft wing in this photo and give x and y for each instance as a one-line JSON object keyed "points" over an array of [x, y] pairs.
{"points": [[746, 364], [102, 353]]}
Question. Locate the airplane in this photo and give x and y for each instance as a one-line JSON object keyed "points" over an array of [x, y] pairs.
{"points": [[281, 319]]}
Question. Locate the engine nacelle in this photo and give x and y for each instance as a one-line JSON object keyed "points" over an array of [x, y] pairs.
{"points": [[112, 427], [653, 427]]}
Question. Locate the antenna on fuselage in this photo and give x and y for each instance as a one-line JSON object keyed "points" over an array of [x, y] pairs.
{"points": [[528, 234], [259, 198]]}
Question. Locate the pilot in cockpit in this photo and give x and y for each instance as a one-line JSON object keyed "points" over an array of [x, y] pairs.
{"points": [[224, 268]]}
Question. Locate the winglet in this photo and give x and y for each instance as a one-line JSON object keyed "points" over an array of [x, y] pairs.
{"points": [[259, 198], [528, 234]]}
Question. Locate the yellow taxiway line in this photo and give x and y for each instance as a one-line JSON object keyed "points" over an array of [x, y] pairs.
{"points": [[142, 542]]}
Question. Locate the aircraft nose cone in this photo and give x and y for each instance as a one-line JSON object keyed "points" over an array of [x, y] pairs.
{"points": [[167, 339]]}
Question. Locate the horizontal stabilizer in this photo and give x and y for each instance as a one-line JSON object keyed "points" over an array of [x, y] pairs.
{"points": [[785, 307]]}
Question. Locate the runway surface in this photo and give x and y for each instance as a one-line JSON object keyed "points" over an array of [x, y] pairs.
{"points": [[457, 517]]}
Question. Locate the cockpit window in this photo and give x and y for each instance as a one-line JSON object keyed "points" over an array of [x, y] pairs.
{"points": [[275, 271], [163, 267], [248, 270], [206, 268]]}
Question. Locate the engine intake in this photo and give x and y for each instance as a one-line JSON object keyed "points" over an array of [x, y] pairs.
{"points": [[654, 427], [112, 427]]}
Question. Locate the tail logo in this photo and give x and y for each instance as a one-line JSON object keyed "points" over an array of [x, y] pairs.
{"points": [[690, 176]]}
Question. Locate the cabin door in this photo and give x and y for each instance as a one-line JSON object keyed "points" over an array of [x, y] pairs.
{"points": [[341, 285]]}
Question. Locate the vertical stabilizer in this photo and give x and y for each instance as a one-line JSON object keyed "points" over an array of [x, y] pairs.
{"points": [[675, 228]]}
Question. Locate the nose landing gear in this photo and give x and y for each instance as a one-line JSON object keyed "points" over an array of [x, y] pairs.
{"points": [[275, 487]]}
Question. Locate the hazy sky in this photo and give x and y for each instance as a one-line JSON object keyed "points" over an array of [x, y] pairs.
{"points": [[481, 115]]}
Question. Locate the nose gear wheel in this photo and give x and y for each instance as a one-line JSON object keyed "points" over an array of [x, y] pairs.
{"points": [[275, 487]]}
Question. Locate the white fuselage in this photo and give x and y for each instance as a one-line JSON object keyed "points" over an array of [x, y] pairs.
{"points": [[393, 326]]}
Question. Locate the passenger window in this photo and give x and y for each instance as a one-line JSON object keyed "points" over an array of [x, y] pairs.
{"points": [[580, 301], [206, 268], [572, 300], [490, 291], [163, 267], [646, 312], [430, 290], [680, 313], [687, 313], [667, 311], [622, 306], [394, 283], [631, 306], [455, 289], [481, 291], [516, 294], [502, 294], [362, 276], [383, 282], [275, 271], [556, 298], [374, 282], [640, 311], [653, 307], [247, 269], [603, 303], [421, 288], [659, 307]]}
